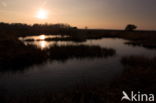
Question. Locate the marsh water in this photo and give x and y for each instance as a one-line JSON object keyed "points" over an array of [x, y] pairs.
{"points": [[58, 75]]}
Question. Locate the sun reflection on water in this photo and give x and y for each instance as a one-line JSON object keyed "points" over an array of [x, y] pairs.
{"points": [[42, 37], [43, 44]]}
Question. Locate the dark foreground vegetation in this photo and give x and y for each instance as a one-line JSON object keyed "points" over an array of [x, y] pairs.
{"points": [[24, 56], [16, 56]]}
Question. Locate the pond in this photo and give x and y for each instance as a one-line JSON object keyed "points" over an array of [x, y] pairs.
{"points": [[58, 75]]}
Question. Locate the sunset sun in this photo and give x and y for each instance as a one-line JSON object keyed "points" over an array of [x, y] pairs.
{"points": [[42, 14]]}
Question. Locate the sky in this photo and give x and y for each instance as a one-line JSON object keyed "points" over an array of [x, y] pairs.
{"points": [[102, 14]]}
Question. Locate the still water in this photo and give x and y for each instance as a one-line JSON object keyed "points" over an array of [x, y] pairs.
{"points": [[57, 75]]}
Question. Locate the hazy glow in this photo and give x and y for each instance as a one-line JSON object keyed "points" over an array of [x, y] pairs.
{"points": [[43, 44], [42, 14], [42, 37]]}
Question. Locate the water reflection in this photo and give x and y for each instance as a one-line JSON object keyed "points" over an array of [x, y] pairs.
{"points": [[42, 37], [40, 44], [83, 63], [43, 44]]}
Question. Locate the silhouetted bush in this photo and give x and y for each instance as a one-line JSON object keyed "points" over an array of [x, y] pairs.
{"points": [[130, 27]]}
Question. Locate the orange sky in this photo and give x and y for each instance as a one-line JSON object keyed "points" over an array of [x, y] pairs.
{"points": [[106, 14]]}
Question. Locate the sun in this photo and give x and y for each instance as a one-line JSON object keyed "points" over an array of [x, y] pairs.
{"points": [[42, 14]]}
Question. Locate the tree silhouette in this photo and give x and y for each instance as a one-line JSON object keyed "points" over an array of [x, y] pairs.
{"points": [[130, 27]]}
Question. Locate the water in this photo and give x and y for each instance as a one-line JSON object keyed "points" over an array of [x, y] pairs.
{"points": [[57, 75]]}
